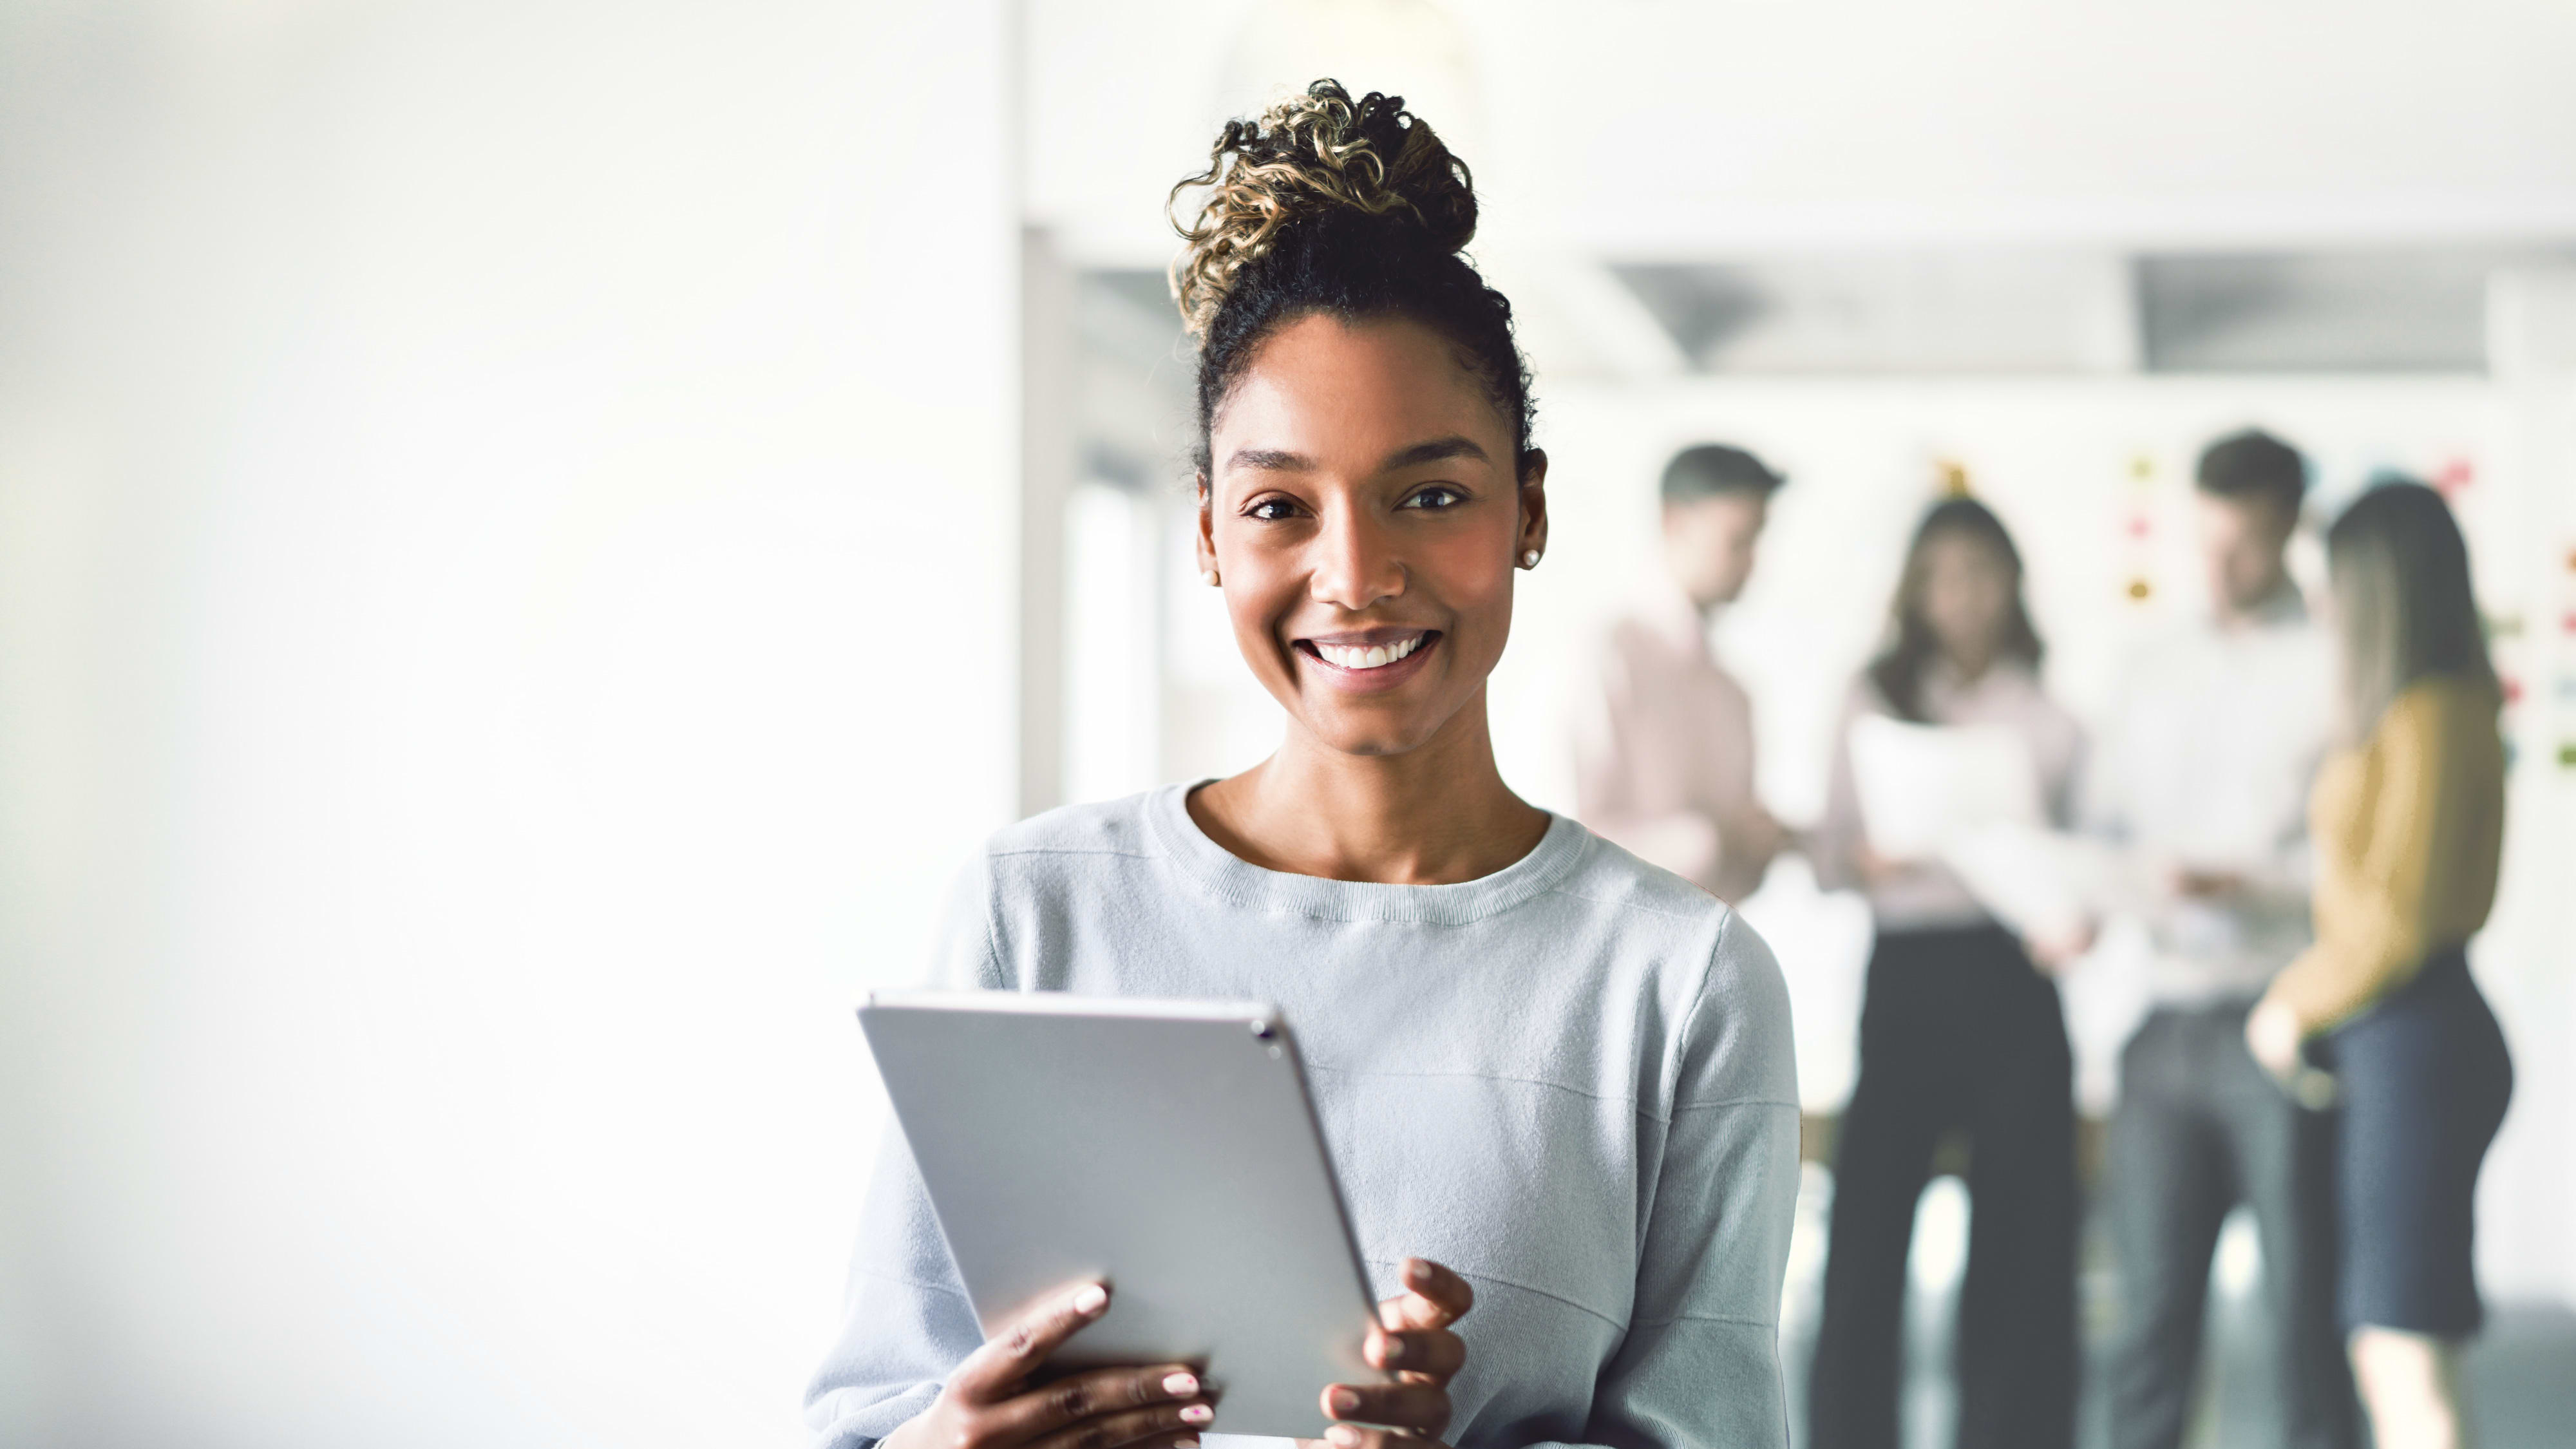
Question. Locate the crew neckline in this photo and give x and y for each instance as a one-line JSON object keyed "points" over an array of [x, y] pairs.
{"points": [[1234, 879]]}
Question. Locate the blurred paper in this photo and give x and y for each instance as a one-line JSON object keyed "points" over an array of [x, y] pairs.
{"points": [[1920, 786], [2041, 883]]}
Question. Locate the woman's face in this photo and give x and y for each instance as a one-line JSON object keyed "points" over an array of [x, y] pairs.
{"points": [[1967, 591], [1364, 516]]}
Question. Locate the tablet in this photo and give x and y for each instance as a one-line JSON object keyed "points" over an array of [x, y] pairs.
{"points": [[1166, 1148]]}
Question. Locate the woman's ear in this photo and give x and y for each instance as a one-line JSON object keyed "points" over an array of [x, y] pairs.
{"points": [[1533, 534], [1203, 537]]}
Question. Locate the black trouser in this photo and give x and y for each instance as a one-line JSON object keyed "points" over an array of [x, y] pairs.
{"points": [[1958, 1031], [2200, 1127]]}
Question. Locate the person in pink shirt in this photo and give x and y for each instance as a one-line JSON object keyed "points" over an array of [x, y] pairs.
{"points": [[1664, 742]]}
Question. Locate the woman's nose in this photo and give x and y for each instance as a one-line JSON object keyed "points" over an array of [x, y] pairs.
{"points": [[1356, 564]]}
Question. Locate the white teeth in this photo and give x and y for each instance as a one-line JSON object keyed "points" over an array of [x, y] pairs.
{"points": [[1368, 656]]}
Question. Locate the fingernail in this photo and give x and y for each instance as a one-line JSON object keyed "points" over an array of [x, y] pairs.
{"points": [[1345, 1401], [1091, 1299], [1343, 1436], [1181, 1386], [1390, 1351], [1186, 1441], [1197, 1414]]}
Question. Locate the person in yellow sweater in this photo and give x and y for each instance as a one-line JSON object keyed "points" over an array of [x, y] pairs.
{"points": [[2407, 822]]}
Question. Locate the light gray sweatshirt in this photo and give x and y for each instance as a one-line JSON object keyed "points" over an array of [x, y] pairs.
{"points": [[1570, 1080]]}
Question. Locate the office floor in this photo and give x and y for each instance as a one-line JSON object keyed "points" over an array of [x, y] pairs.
{"points": [[2521, 1372]]}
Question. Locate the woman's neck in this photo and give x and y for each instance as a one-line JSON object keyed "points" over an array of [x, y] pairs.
{"points": [[1968, 668], [1438, 814]]}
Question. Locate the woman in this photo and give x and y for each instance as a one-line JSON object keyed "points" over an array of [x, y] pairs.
{"points": [[2407, 825], [1959, 1032], [1556, 1082]]}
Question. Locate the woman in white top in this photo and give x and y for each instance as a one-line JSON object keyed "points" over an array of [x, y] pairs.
{"points": [[1555, 1082], [1959, 1032]]}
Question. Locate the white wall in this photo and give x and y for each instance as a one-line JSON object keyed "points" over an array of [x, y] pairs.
{"points": [[505, 620]]}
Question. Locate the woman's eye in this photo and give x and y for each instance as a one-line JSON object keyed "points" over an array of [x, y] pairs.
{"points": [[1438, 495], [1271, 510]]}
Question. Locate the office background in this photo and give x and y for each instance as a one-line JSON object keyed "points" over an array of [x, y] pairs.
{"points": [[533, 537]]}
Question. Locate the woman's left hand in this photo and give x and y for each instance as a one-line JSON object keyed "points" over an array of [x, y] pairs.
{"points": [[2273, 1035], [1414, 1343]]}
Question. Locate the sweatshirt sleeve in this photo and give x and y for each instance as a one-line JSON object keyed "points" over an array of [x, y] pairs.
{"points": [[1701, 1361], [906, 1320], [2373, 912]]}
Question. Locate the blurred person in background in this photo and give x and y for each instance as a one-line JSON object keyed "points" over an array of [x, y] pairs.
{"points": [[1664, 745], [2408, 822], [2202, 777], [1960, 1032], [1563, 1074]]}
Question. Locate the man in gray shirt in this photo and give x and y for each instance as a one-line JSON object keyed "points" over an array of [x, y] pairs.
{"points": [[2204, 775]]}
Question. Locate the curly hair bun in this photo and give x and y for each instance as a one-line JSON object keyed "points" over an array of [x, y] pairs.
{"points": [[1307, 156]]}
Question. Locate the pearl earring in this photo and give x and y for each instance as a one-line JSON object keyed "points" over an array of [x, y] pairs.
{"points": [[1208, 577], [1529, 560]]}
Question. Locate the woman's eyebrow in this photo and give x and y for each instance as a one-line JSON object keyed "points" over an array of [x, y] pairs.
{"points": [[1436, 451], [1270, 460], [1280, 460]]}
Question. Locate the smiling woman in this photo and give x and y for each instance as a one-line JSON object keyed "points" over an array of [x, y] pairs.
{"points": [[1366, 485], [1555, 1081]]}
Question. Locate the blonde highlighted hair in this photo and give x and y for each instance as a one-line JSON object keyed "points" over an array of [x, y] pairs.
{"points": [[2405, 609]]}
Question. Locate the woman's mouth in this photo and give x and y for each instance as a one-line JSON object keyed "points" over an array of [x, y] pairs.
{"points": [[1378, 659], [1368, 656]]}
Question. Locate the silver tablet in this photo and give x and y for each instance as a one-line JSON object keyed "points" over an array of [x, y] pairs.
{"points": [[1167, 1148]]}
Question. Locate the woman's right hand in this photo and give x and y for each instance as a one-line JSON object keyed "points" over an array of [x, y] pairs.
{"points": [[2273, 1037], [989, 1403]]}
